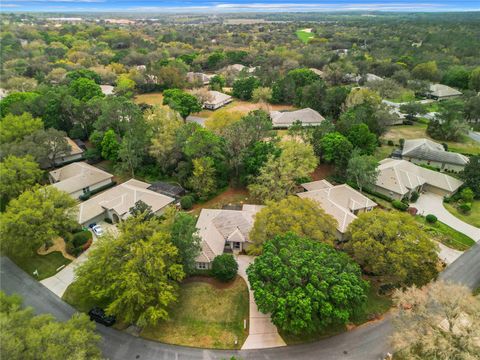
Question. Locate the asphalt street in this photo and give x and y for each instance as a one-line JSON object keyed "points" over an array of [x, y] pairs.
{"points": [[366, 342]]}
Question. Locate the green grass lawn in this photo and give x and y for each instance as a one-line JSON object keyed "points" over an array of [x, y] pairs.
{"points": [[208, 315], [472, 218], [375, 306], [304, 36], [446, 235], [46, 265], [383, 152]]}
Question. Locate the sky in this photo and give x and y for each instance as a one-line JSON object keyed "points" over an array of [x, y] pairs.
{"points": [[206, 6]]}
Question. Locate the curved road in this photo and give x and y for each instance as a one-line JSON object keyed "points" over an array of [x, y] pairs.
{"points": [[366, 342]]}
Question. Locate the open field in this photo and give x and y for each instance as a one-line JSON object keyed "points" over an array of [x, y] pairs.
{"points": [[472, 218], [209, 314], [305, 35], [416, 131], [155, 98]]}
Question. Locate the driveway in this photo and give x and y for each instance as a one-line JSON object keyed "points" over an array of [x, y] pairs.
{"points": [[262, 333], [59, 282], [430, 203]]}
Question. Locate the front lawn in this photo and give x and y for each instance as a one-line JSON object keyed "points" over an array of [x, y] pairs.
{"points": [[472, 218], [208, 315], [446, 235], [374, 308], [46, 265]]}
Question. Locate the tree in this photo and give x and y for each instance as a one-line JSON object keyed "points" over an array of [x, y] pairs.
{"points": [[47, 146], [29, 336], [312, 96], [18, 103], [361, 96], [285, 89], [85, 89], [472, 109], [110, 146], [471, 175], [334, 99], [474, 82], [141, 209], [457, 76], [243, 88], [84, 73], [262, 95], [224, 267], [305, 285], [181, 101], [336, 148], [135, 274], [217, 83], [439, 321], [300, 216], [448, 124], [117, 113], [362, 169], [20, 84], [412, 109], [361, 138], [35, 218], [164, 123], [203, 181], [125, 86], [133, 147], [256, 155], [278, 177], [221, 119], [17, 174], [183, 230], [426, 71], [392, 246], [15, 128]]}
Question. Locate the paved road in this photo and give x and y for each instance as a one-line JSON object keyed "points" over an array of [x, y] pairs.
{"points": [[364, 343], [475, 135]]}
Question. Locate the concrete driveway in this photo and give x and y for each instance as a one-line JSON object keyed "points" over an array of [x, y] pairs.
{"points": [[59, 282], [262, 333], [430, 203]]}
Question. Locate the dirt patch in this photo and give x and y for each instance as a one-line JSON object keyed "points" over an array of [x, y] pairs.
{"points": [[245, 106], [210, 280], [231, 196], [58, 245], [322, 171]]}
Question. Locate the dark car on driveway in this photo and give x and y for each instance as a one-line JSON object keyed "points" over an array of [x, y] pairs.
{"points": [[98, 315]]}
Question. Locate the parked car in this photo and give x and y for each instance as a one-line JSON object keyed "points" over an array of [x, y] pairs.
{"points": [[97, 230], [98, 315], [92, 225]]}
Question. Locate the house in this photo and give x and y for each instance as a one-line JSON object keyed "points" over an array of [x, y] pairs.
{"points": [[115, 203], [318, 72], [341, 201], [196, 77], [3, 93], [442, 92], [428, 152], [172, 190], [371, 77], [398, 179], [238, 68], [74, 154], [307, 116], [223, 230], [216, 100], [79, 178], [107, 89]]}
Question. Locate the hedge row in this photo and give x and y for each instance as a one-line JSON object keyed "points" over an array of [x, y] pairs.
{"points": [[89, 194]]}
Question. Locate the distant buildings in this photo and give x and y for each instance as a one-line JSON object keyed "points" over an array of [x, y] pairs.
{"points": [[285, 119], [197, 77]]}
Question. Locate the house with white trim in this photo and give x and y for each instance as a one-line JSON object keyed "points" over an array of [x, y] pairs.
{"points": [[224, 230], [216, 100], [342, 202]]}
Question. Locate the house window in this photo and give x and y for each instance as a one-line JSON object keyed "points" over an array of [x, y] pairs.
{"points": [[202, 265], [86, 189], [236, 245]]}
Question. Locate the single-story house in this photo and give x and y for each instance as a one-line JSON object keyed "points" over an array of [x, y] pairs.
{"points": [[428, 152], [75, 154], [285, 119], [194, 77], [442, 92], [115, 203], [79, 178], [400, 178], [371, 77], [216, 100], [341, 201], [238, 68], [172, 190], [107, 89], [223, 230]]}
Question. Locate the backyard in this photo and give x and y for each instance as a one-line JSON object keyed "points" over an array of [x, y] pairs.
{"points": [[209, 314]]}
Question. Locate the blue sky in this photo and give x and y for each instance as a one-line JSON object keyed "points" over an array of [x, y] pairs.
{"points": [[159, 6]]}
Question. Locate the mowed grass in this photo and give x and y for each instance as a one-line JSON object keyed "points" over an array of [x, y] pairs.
{"points": [[375, 306], [46, 265], [155, 98], [472, 218], [304, 36], [395, 133], [446, 235], [206, 316]]}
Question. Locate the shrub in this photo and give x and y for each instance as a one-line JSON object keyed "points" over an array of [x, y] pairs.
{"points": [[465, 207], [87, 244], [447, 199], [186, 202], [432, 219], [81, 238], [77, 251], [414, 196], [402, 142], [224, 267], [399, 205], [390, 143], [70, 248], [467, 195]]}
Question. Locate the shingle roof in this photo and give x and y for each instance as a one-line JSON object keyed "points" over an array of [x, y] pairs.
{"points": [[120, 199], [75, 149], [216, 97], [426, 149], [400, 176], [440, 90], [76, 176], [307, 116], [338, 201], [107, 89]]}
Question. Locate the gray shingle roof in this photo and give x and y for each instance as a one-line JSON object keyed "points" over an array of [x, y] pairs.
{"points": [[440, 90], [285, 119], [425, 149]]}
